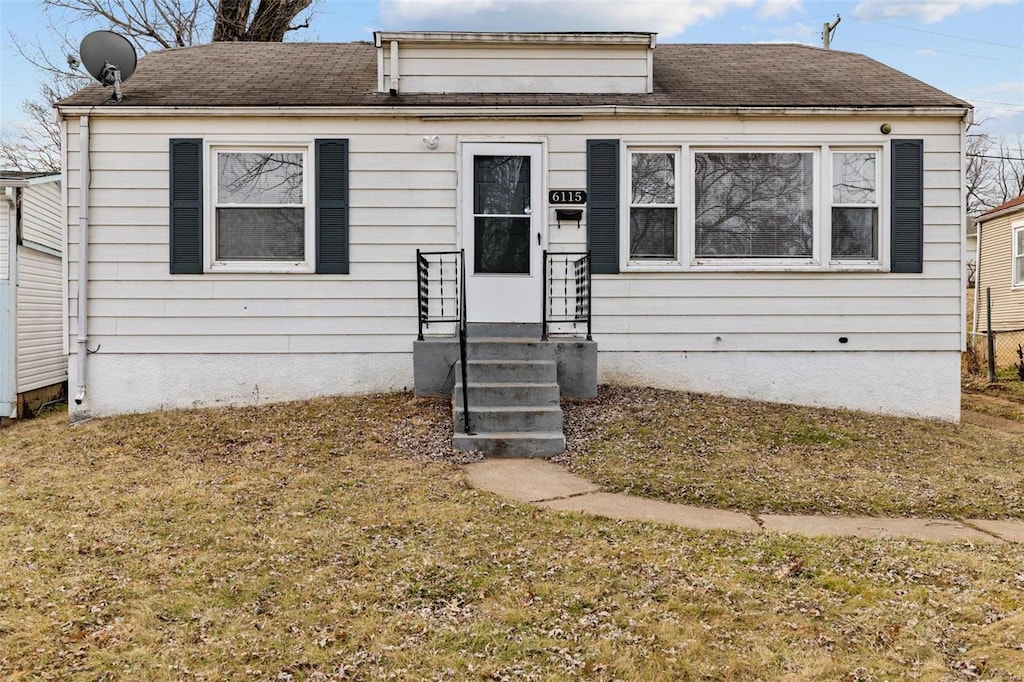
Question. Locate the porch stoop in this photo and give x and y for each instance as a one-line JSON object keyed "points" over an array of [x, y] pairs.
{"points": [[512, 386], [515, 383]]}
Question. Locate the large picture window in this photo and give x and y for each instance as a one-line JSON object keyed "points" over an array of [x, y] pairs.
{"points": [[755, 207], [754, 204], [261, 216]]}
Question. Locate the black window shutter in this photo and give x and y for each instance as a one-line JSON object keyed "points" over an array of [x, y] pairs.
{"points": [[907, 206], [186, 220], [603, 205], [332, 207]]}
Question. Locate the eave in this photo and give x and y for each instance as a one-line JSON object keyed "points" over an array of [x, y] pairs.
{"points": [[511, 112]]}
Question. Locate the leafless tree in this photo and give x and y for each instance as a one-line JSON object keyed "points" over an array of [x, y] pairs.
{"points": [[149, 25], [995, 170]]}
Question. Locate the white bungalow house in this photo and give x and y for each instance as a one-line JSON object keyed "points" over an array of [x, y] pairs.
{"points": [[777, 222], [33, 365]]}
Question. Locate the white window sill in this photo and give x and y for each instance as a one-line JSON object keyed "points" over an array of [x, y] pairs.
{"points": [[256, 267], [748, 266]]}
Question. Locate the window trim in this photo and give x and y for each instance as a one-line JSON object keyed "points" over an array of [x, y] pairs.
{"points": [[820, 261], [211, 148], [678, 198], [881, 202], [1015, 227]]}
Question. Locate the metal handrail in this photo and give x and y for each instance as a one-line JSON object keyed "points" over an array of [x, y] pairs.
{"points": [[424, 261], [462, 341], [581, 296]]}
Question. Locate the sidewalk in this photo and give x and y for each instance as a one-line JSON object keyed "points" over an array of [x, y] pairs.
{"points": [[548, 485]]}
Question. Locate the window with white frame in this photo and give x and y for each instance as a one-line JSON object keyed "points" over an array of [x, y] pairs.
{"points": [[753, 204], [1018, 256], [260, 213], [771, 206], [653, 207], [855, 183]]}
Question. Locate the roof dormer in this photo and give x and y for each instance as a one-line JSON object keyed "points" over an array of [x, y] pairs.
{"points": [[456, 62]]}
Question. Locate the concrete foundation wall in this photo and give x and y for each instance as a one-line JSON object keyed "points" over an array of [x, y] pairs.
{"points": [[143, 383], [915, 384]]}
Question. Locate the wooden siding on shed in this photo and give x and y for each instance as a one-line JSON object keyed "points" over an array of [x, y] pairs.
{"points": [[40, 356], [995, 274], [403, 196]]}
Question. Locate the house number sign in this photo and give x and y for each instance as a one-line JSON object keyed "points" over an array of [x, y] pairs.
{"points": [[567, 196]]}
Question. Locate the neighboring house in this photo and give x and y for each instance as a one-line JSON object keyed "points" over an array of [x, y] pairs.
{"points": [[33, 365], [776, 222], [1001, 267]]}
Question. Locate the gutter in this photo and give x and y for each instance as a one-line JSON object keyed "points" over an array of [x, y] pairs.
{"points": [[82, 339], [522, 112]]}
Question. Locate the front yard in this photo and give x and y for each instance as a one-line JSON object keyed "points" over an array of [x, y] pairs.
{"points": [[333, 539]]}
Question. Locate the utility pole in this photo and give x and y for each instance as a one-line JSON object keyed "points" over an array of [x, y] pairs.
{"points": [[827, 31]]}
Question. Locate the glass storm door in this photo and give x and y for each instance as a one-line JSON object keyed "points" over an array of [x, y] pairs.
{"points": [[502, 211]]}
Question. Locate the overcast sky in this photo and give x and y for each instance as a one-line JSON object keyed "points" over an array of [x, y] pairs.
{"points": [[973, 49]]}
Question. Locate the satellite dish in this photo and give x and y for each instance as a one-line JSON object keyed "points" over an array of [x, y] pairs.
{"points": [[109, 58]]}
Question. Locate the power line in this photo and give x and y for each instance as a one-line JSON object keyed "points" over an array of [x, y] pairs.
{"points": [[936, 33], [931, 49], [993, 156], [1018, 105]]}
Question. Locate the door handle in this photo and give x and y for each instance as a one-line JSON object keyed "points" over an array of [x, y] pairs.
{"points": [[538, 239]]}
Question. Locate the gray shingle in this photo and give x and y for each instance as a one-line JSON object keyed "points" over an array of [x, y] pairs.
{"points": [[345, 74]]}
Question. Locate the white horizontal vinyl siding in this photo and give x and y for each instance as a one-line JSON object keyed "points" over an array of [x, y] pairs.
{"points": [[41, 214], [404, 196], [40, 356], [536, 69]]}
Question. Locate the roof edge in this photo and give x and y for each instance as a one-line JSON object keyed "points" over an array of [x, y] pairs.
{"points": [[539, 38], [1011, 206], [527, 111]]}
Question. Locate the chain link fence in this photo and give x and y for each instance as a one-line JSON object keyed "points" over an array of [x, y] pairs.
{"points": [[1006, 347]]}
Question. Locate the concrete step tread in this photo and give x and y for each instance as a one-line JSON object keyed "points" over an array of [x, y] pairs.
{"points": [[506, 384], [511, 408], [513, 435], [501, 361], [504, 339]]}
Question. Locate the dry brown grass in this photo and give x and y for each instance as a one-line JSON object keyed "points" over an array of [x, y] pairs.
{"points": [[761, 457], [329, 539]]}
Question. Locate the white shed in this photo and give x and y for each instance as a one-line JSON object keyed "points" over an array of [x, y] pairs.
{"points": [[769, 221], [33, 365]]}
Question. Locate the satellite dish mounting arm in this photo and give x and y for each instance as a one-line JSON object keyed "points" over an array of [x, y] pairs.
{"points": [[112, 76]]}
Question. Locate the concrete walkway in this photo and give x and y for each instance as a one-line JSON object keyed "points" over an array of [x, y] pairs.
{"points": [[548, 485]]}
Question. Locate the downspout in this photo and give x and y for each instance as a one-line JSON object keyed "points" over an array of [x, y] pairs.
{"points": [[82, 348], [11, 391]]}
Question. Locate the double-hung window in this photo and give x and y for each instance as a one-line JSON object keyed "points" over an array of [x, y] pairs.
{"points": [[261, 217], [1018, 255], [653, 206], [855, 205]]}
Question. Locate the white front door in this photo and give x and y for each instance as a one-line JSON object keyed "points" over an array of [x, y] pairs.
{"points": [[502, 218]]}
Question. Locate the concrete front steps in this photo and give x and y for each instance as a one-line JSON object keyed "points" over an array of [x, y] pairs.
{"points": [[513, 392]]}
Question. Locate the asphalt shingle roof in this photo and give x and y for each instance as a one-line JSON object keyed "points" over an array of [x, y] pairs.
{"points": [[246, 74]]}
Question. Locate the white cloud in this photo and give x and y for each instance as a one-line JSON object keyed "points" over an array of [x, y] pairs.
{"points": [[776, 9], [927, 53], [668, 18], [925, 11]]}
